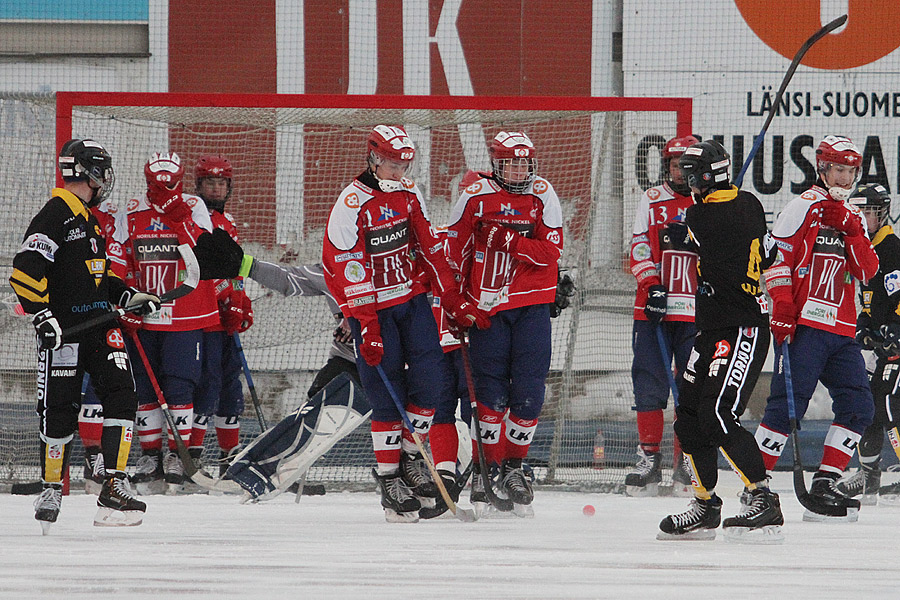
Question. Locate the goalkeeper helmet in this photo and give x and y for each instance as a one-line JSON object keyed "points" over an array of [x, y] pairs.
{"points": [[705, 166], [875, 203], [513, 161], [673, 149], [213, 167], [164, 173], [86, 160]]}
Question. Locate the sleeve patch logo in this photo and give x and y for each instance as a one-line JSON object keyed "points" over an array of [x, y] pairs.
{"points": [[892, 282], [354, 272], [641, 252]]}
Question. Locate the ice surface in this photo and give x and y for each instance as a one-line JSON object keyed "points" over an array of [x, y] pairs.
{"points": [[338, 546]]}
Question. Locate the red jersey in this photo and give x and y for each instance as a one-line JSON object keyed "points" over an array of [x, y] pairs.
{"points": [[660, 254], [498, 280], [816, 265], [145, 254], [369, 241]]}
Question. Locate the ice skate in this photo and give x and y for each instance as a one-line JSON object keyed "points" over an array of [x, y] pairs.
{"points": [[518, 488], [417, 476], [47, 505], [454, 485], [174, 474], [889, 495], [759, 523], [681, 481], [826, 504], [149, 478], [865, 483], [400, 506], [644, 479], [94, 473], [116, 505], [698, 522]]}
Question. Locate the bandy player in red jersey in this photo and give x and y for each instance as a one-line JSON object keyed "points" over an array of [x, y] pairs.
{"points": [[665, 266], [145, 250], [375, 225], [505, 233], [823, 247]]}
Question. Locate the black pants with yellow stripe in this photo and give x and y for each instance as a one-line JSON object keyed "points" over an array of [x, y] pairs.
{"points": [[713, 392], [101, 353]]}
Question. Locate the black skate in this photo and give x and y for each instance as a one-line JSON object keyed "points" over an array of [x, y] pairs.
{"points": [[174, 473], [47, 505], [866, 483], [94, 472], [400, 506], [759, 523], [889, 495], [225, 459], [149, 478], [454, 485], [699, 522], [644, 479], [116, 505], [415, 473], [681, 481], [517, 487], [826, 503]]}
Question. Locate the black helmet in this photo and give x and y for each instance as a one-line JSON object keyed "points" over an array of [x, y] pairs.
{"points": [[86, 160], [873, 197], [705, 166]]}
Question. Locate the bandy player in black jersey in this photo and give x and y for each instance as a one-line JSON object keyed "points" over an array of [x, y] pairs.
{"points": [[734, 247]]}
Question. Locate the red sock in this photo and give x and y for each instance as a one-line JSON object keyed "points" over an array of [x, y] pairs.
{"points": [[228, 432], [444, 445], [650, 426], [386, 443], [491, 423], [837, 452], [519, 433]]}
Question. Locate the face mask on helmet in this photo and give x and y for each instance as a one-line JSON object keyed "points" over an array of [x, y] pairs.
{"points": [[391, 152], [513, 161], [875, 203], [672, 173], [86, 160], [838, 162], [213, 176], [705, 167], [165, 177]]}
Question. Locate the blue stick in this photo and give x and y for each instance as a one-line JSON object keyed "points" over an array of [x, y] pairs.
{"points": [[250, 386], [664, 350]]}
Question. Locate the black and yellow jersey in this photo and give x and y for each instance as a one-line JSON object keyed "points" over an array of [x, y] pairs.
{"points": [[62, 264], [881, 295], [729, 228]]}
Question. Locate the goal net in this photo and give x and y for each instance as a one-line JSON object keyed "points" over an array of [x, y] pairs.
{"points": [[292, 155]]}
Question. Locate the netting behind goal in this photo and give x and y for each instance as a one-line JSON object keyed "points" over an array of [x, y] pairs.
{"points": [[293, 154]]}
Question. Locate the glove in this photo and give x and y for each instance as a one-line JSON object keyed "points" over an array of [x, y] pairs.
{"points": [[342, 333], [247, 309], [495, 236], [49, 332], [890, 332], [236, 313], [146, 303], [221, 257], [462, 314], [655, 309], [838, 216], [371, 348], [869, 339], [783, 322], [130, 324], [565, 289]]}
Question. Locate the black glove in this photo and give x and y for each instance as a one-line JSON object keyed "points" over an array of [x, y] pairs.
{"points": [[565, 289], [220, 257], [869, 339], [48, 330], [655, 308], [890, 332], [147, 303]]}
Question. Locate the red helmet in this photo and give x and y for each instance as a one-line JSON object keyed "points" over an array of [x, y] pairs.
{"points": [[212, 165], [839, 150], [164, 170], [673, 149], [391, 142], [509, 146]]}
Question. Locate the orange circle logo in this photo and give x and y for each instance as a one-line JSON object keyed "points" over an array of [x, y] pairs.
{"points": [[351, 201], [872, 31]]}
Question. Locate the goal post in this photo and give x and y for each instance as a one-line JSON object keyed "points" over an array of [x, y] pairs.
{"points": [[292, 154]]}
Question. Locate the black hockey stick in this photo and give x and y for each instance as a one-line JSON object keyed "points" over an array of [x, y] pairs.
{"points": [[249, 377], [501, 504], [784, 83], [466, 515], [799, 480], [191, 280]]}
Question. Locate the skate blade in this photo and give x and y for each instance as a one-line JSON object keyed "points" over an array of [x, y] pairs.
{"points": [[487, 511], [45, 527], [523, 511], [891, 500], [852, 516], [770, 534], [634, 491], [151, 488], [392, 516], [868, 499], [700, 535], [92, 487], [175, 489], [110, 517], [680, 490]]}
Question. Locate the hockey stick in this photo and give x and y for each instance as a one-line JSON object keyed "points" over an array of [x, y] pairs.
{"points": [[463, 514], [784, 83], [664, 349], [185, 456], [191, 280], [501, 504], [799, 480], [249, 377]]}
